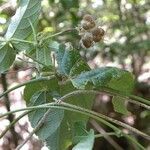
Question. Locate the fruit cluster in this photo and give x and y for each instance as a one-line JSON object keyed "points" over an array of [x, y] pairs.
{"points": [[90, 32]]}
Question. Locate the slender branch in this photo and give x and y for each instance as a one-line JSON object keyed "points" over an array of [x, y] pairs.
{"points": [[127, 136], [35, 60], [107, 133], [7, 104], [70, 107], [136, 100], [104, 119], [95, 115], [126, 96], [77, 92], [39, 125], [140, 99], [36, 46], [48, 105], [25, 60], [59, 33], [113, 92], [133, 140], [33, 30], [106, 136], [12, 123], [26, 83]]}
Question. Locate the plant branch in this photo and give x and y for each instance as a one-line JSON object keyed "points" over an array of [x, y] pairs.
{"points": [[7, 104], [14, 122], [140, 101], [26, 83], [59, 33], [39, 125], [106, 136], [132, 98], [96, 115], [126, 96], [102, 118], [48, 105], [77, 92], [35, 60], [127, 136], [107, 133]]}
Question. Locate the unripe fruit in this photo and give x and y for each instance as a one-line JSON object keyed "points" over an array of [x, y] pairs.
{"points": [[87, 40]]}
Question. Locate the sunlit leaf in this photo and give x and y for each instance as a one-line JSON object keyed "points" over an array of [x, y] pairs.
{"points": [[86, 143], [114, 78], [19, 26]]}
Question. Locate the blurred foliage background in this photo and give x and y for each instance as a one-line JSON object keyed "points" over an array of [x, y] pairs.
{"points": [[125, 45]]}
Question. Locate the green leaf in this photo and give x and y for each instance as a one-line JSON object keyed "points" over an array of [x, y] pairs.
{"points": [[119, 105], [63, 138], [50, 85], [51, 124], [38, 98], [69, 61], [44, 55], [70, 4], [79, 66], [52, 141], [47, 85], [53, 120], [86, 143], [7, 56], [21, 46], [67, 126], [79, 132], [105, 77], [19, 26], [123, 82]]}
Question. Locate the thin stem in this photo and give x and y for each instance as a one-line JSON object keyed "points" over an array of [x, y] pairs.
{"points": [[26, 83], [12, 123], [47, 105], [133, 140], [39, 125], [36, 46], [140, 99], [35, 60], [132, 97], [95, 115], [7, 104], [77, 92], [136, 100], [107, 133], [107, 137], [25, 61], [127, 136], [59, 33], [9, 72], [87, 112], [34, 32]]}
